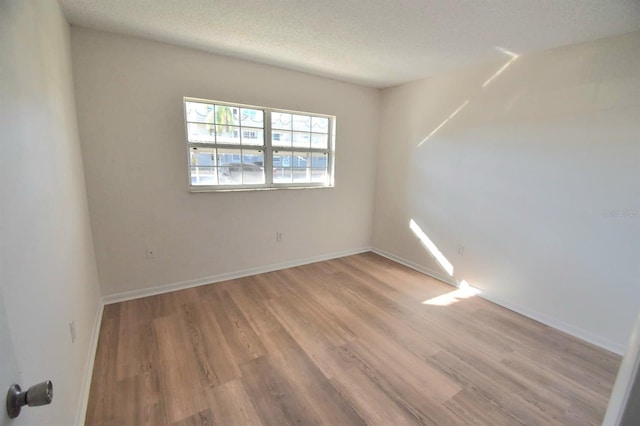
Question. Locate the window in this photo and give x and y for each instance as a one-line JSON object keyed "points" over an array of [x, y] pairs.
{"points": [[233, 146]]}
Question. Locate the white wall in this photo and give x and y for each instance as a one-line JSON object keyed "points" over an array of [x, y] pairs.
{"points": [[129, 93], [524, 177], [48, 274]]}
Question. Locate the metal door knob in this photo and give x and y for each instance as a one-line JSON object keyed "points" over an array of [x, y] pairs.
{"points": [[40, 394]]}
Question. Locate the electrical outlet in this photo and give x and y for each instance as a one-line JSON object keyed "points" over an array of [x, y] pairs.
{"points": [[279, 236], [151, 253], [72, 330]]}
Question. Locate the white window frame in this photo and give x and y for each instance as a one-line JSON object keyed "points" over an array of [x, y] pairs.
{"points": [[268, 151]]}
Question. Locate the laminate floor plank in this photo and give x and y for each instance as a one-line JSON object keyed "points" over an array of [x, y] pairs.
{"points": [[139, 402], [202, 418], [308, 382], [136, 349], [254, 308], [355, 340], [215, 361], [241, 338], [363, 318], [413, 397], [496, 385], [371, 402], [231, 405], [434, 323], [576, 363], [323, 353], [179, 372], [276, 401], [472, 408], [313, 317]]}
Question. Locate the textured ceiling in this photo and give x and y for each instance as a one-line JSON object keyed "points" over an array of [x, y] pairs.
{"points": [[378, 43]]}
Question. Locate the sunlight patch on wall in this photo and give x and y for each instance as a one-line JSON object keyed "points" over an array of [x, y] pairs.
{"points": [[453, 114], [464, 291], [513, 56], [500, 71], [444, 263]]}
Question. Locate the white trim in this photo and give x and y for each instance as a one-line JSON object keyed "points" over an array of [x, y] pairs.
{"points": [[627, 375], [166, 288], [409, 264], [88, 369], [527, 312], [557, 324]]}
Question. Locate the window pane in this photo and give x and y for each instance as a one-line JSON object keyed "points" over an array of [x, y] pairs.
{"points": [[319, 167], [201, 132], [301, 175], [319, 124], [319, 160], [252, 166], [280, 138], [300, 160], [227, 115], [251, 117], [282, 167], [229, 166], [202, 156], [229, 175], [204, 176], [199, 112], [302, 123], [251, 156], [280, 120], [319, 176], [282, 158], [228, 156], [300, 164], [252, 136], [301, 140], [202, 162], [282, 175], [319, 140], [228, 134]]}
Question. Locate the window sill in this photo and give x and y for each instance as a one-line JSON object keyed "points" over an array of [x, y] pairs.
{"points": [[274, 188]]}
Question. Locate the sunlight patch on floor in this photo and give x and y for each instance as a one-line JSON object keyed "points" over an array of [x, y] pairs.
{"points": [[464, 291]]}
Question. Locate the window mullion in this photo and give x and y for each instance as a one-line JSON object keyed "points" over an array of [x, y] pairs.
{"points": [[201, 145], [268, 154]]}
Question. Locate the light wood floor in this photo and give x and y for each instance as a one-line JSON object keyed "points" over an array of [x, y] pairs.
{"points": [[342, 342]]}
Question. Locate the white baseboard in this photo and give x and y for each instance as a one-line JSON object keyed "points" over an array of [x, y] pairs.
{"points": [[88, 369], [522, 310], [166, 288], [557, 324], [409, 264]]}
